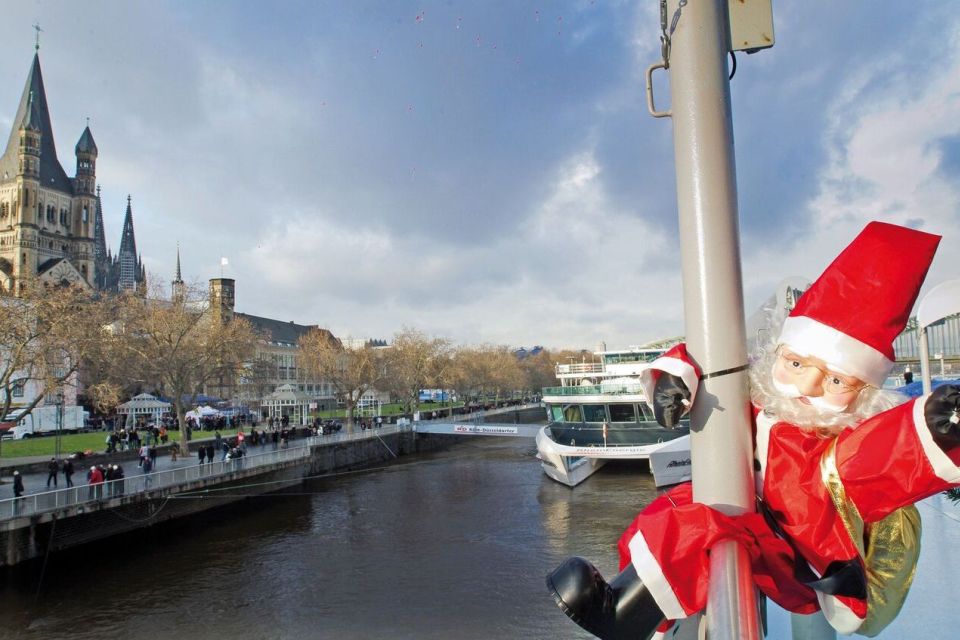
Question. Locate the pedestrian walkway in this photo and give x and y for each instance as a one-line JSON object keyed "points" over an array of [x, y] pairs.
{"points": [[38, 498]]}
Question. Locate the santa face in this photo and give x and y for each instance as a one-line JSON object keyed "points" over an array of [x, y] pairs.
{"points": [[814, 382]]}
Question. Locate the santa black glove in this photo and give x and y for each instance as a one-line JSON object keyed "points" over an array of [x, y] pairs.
{"points": [[669, 395], [942, 412]]}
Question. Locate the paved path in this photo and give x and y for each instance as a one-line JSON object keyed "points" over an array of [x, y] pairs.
{"points": [[37, 482]]}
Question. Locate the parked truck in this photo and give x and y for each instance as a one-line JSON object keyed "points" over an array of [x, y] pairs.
{"points": [[43, 421]]}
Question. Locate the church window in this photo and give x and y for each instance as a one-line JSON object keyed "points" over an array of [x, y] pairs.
{"points": [[86, 214], [51, 244]]}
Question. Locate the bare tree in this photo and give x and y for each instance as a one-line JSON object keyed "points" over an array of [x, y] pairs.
{"points": [[181, 346], [414, 362], [46, 334], [255, 380], [352, 371]]}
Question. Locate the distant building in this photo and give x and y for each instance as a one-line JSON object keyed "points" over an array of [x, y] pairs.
{"points": [[275, 361], [51, 225]]}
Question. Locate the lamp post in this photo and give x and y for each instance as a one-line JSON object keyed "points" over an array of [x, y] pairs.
{"points": [[59, 424]]}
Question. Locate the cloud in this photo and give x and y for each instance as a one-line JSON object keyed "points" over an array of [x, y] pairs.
{"points": [[487, 172]]}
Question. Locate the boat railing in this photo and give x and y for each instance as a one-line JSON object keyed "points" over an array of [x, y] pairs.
{"points": [[595, 389], [579, 368]]}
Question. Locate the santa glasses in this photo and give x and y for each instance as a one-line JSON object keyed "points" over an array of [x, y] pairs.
{"points": [[795, 366]]}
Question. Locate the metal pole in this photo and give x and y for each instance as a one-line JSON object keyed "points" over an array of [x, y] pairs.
{"points": [[811, 627], [713, 299], [925, 361]]}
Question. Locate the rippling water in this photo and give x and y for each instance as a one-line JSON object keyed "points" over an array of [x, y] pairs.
{"points": [[449, 545], [453, 544]]}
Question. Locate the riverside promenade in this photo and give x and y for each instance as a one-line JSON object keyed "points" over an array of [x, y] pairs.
{"points": [[45, 521]]}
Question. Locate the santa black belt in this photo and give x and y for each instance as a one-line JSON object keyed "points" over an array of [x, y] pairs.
{"points": [[724, 372]]}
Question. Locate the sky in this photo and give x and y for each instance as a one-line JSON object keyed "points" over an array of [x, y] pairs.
{"points": [[484, 171]]}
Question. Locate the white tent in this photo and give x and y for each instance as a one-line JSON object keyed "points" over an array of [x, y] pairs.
{"points": [[202, 412]]}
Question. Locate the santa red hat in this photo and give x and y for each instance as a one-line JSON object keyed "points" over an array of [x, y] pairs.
{"points": [[851, 315]]}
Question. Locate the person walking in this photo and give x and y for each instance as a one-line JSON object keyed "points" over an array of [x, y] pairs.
{"points": [[68, 471], [95, 481], [202, 454], [52, 470], [17, 491], [210, 453], [147, 468], [118, 479]]}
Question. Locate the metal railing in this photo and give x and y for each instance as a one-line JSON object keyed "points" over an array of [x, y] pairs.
{"points": [[579, 368], [47, 501], [594, 390]]}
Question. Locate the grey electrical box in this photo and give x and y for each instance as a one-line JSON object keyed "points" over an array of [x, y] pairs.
{"points": [[751, 25]]}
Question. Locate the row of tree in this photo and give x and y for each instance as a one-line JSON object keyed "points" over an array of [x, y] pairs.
{"points": [[114, 347]]}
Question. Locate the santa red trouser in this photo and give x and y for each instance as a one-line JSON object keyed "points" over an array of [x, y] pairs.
{"points": [[668, 544]]}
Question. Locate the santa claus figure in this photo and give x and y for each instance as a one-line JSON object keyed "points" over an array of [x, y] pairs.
{"points": [[838, 464]]}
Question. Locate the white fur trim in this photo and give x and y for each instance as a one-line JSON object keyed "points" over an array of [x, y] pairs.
{"points": [[653, 579], [942, 464], [839, 615], [835, 348], [674, 366]]}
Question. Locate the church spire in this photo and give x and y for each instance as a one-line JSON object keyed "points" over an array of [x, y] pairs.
{"points": [[127, 256], [33, 109], [177, 288]]}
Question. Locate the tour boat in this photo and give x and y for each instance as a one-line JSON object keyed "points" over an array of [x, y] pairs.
{"points": [[599, 413]]}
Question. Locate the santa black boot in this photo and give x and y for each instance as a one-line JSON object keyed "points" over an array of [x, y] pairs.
{"points": [[620, 610]]}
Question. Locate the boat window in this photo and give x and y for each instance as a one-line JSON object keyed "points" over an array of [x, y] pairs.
{"points": [[556, 413], [622, 413], [646, 412], [571, 413], [594, 413]]}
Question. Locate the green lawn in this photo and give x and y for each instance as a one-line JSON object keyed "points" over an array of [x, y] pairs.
{"points": [[46, 445]]}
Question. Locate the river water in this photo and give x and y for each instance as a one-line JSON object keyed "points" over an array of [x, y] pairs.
{"points": [[453, 544]]}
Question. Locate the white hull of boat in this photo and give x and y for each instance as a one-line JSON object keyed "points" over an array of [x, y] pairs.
{"points": [[670, 462], [571, 465]]}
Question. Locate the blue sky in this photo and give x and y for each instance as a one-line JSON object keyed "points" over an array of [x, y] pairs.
{"points": [[484, 171]]}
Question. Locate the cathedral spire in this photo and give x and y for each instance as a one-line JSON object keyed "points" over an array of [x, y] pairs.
{"points": [[127, 256]]}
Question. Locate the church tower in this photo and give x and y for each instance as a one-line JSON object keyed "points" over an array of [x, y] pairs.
{"points": [[222, 298], [43, 231], [85, 203]]}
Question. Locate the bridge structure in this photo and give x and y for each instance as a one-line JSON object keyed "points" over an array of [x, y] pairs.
{"points": [[943, 345]]}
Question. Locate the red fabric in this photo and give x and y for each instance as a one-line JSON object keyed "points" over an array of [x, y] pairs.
{"points": [[679, 534], [871, 277], [878, 482], [96, 477]]}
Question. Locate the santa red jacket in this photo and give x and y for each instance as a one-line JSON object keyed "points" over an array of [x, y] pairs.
{"points": [[835, 528]]}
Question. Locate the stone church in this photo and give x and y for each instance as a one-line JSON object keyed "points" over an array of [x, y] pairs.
{"points": [[51, 224]]}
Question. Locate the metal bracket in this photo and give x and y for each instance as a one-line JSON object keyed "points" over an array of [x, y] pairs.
{"points": [[650, 105]]}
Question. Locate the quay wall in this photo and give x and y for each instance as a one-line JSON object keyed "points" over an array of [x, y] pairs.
{"points": [[27, 538]]}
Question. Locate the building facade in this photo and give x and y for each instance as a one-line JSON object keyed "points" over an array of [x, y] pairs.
{"points": [[275, 361]]}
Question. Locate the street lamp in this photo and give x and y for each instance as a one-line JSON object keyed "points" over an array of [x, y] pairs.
{"points": [[57, 447]]}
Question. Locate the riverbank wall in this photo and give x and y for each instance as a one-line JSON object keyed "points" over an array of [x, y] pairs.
{"points": [[93, 518]]}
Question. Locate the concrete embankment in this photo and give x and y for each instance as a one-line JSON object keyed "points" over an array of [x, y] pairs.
{"points": [[49, 522]]}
